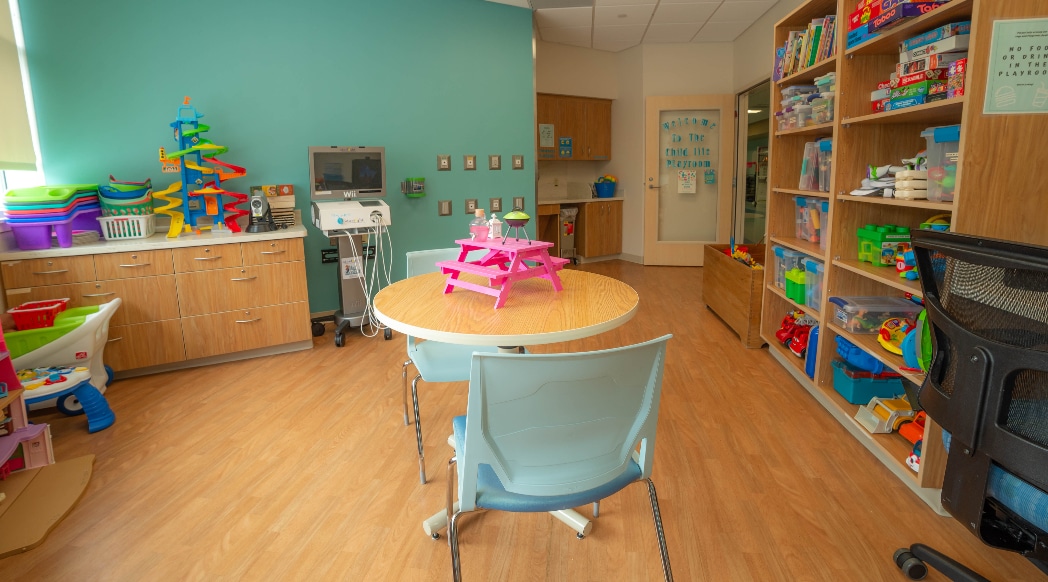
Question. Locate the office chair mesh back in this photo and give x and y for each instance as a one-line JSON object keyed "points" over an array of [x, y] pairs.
{"points": [[987, 386]]}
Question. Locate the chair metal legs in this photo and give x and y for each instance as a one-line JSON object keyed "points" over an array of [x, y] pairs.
{"points": [[596, 509], [404, 381], [659, 531], [454, 515], [418, 431]]}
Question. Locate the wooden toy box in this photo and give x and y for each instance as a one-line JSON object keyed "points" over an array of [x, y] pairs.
{"points": [[733, 291]]}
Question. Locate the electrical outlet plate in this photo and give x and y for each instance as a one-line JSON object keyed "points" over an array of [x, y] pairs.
{"points": [[518, 203], [471, 205], [494, 162], [469, 162], [496, 204], [518, 162], [444, 163], [444, 208]]}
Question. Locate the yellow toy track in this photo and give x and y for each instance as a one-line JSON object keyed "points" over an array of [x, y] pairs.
{"points": [[177, 218]]}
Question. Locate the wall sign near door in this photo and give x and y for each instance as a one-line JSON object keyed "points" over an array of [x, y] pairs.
{"points": [[546, 135], [686, 181]]}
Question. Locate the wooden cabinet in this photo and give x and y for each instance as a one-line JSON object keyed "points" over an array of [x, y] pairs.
{"points": [[144, 344], [992, 196], [586, 120], [178, 303], [598, 228]]}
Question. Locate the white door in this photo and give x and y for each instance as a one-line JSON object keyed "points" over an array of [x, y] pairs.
{"points": [[688, 171]]}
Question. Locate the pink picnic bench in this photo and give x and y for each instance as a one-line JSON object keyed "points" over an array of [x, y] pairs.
{"points": [[507, 261]]}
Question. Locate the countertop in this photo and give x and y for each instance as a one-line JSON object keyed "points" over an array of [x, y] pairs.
{"points": [[578, 200], [10, 251]]}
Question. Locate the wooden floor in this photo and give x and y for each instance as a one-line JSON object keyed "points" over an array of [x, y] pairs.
{"points": [[299, 467]]}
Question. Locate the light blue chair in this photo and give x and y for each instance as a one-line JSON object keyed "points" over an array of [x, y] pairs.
{"points": [[434, 361], [548, 432]]}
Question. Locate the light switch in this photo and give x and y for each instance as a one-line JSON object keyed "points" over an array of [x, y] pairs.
{"points": [[518, 162], [469, 162], [444, 163], [494, 162], [444, 208]]}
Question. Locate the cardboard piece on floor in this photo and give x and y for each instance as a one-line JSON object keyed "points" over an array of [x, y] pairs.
{"points": [[37, 500]]}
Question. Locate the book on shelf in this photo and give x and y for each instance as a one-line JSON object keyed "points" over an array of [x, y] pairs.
{"points": [[805, 47]]}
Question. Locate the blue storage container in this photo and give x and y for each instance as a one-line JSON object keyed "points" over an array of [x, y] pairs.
{"points": [[858, 386]]}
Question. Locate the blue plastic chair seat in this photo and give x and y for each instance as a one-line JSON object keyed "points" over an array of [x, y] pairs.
{"points": [[492, 495]]}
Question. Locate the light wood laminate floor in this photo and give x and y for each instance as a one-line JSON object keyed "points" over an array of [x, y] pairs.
{"points": [[299, 467]]}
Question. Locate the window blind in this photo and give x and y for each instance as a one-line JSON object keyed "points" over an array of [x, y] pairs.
{"points": [[16, 138]]}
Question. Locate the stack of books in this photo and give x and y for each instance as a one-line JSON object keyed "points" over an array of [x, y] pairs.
{"points": [[807, 47]]}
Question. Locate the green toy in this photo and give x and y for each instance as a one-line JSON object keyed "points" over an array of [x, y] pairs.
{"points": [[878, 245]]}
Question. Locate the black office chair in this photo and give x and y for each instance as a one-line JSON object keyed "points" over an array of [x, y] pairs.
{"points": [[987, 386]]}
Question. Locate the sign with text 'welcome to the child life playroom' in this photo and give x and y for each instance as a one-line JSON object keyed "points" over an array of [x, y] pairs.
{"points": [[1017, 76]]}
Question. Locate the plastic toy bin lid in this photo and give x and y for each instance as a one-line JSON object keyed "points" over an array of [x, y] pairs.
{"points": [[813, 266], [47, 193], [895, 305], [826, 145], [825, 206], [798, 89], [943, 134]]}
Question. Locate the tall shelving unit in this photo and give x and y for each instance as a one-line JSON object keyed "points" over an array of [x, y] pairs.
{"points": [[999, 194]]}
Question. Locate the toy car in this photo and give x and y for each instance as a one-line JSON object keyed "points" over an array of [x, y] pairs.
{"points": [[884, 415]]}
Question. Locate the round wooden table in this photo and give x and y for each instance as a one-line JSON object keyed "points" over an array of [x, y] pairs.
{"points": [[534, 314]]}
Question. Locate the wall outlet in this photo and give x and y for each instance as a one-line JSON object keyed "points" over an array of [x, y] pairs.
{"points": [[471, 205], [518, 162], [495, 162], [469, 162], [443, 207], [518, 203], [444, 163], [496, 205]]}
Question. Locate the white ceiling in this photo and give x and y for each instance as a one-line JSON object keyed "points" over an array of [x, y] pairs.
{"points": [[615, 25]]}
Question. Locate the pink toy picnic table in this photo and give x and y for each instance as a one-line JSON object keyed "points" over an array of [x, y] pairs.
{"points": [[508, 260]]}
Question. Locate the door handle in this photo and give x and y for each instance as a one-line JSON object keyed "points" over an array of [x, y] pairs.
{"points": [[273, 252], [51, 272], [137, 265], [653, 187], [245, 278], [115, 339], [99, 294], [248, 320], [214, 258]]}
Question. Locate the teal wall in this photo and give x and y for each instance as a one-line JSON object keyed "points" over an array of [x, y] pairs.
{"points": [[272, 77]]}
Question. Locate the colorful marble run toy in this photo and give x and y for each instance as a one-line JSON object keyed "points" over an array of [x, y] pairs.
{"points": [[201, 185]]}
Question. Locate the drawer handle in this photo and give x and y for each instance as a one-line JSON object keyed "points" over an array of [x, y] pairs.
{"points": [[116, 339], [214, 258], [248, 320], [99, 294], [245, 278], [273, 252], [137, 265], [51, 272]]}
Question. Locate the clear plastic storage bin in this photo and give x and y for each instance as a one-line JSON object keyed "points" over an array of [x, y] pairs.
{"points": [[822, 108], [786, 260], [824, 217], [825, 163], [794, 90], [803, 113], [866, 314], [813, 282], [943, 151]]}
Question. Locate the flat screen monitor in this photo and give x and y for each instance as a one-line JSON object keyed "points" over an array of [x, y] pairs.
{"points": [[343, 172]]}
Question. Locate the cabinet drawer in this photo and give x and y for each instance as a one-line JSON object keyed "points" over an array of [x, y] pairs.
{"points": [[144, 344], [144, 298], [203, 258], [272, 251], [252, 286], [245, 329], [137, 264], [36, 272]]}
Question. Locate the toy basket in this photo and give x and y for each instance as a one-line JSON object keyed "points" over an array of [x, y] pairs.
{"points": [[125, 227], [37, 314]]}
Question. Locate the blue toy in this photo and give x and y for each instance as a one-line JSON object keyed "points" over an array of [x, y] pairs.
{"points": [[857, 357]]}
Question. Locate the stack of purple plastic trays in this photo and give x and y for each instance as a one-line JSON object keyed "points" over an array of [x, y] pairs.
{"points": [[38, 215]]}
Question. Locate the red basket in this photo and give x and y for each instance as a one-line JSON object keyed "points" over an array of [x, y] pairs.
{"points": [[37, 314]]}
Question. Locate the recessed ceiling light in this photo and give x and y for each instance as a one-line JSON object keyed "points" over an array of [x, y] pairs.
{"points": [[622, 16], [754, 110]]}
